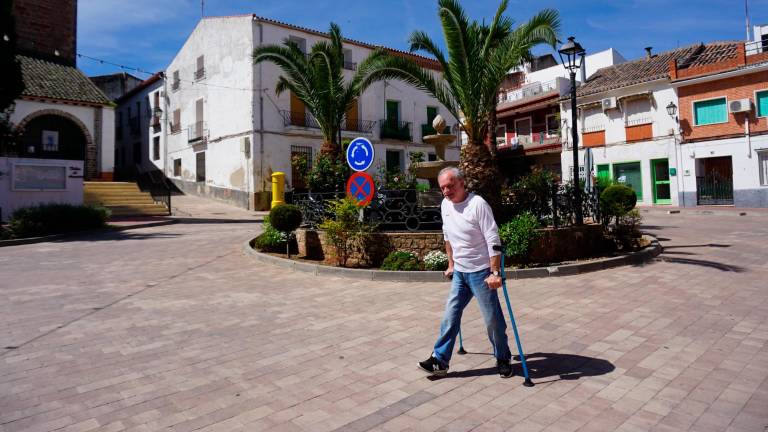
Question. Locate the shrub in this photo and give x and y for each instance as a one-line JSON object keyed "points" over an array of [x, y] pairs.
{"points": [[271, 240], [616, 200], [401, 261], [344, 229], [627, 230], [285, 217], [328, 175], [436, 260], [532, 193], [47, 219], [518, 235]]}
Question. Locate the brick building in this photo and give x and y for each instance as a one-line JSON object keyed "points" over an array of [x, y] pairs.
{"points": [[723, 112]]}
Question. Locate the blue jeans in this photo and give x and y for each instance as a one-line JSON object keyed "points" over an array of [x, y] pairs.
{"points": [[463, 287]]}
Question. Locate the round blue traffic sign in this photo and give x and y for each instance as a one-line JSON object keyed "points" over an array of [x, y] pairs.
{"points": [[360, 154]]}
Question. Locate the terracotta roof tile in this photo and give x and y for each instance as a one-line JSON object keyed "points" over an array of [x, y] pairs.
{"points": [[657, 67], [55, 81]]}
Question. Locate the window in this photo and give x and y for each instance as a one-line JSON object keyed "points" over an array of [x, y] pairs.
{"points": [[761, 99], [156, 148], [176, 125], [394, 160], [200, 71], [762, 158], [553, 125], [348, 63], [710, 112], [200, 167], [50, 141], [594, 119], [301, 163], [638, 112], [301, 42], [431, 157], [176, 82], [177, 167], [393, 112]]}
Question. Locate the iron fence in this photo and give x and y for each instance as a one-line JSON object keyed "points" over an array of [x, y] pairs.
{"points": [[714, 191], [413, 210]]}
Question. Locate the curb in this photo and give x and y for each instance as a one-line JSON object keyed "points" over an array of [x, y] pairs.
{"points": [[54, 237], [704, 212], [632, 258]]}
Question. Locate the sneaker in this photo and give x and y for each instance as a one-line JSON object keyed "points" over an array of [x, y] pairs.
{"points": [[505, 368], [433, 366]]}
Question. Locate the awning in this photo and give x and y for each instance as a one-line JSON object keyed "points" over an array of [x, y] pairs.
{"points": [[525, 109]]}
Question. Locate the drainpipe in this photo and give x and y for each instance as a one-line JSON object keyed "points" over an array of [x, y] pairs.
{"points": [[747, 134], [261, 111]]}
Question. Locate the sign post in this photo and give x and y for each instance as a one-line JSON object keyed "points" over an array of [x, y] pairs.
{"points": [[360, 185]]}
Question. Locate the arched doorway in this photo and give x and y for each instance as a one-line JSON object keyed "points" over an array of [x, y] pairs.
{"points": [[51, 136]]}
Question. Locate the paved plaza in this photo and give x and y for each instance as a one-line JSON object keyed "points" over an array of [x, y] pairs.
{"points": [[175, 328]]}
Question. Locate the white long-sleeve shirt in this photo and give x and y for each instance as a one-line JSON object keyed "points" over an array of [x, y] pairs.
{"points": [[472, 232]]}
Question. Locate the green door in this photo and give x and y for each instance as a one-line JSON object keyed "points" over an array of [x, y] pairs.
{"points": [[393, 112], [431, 114], [660, 172], [629, 174], [604, 172]]}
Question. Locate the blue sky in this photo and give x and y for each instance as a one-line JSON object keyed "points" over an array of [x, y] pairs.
{"points": [[147, 33]]}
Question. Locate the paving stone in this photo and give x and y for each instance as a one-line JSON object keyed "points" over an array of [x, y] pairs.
{"points": [[176, 328]]}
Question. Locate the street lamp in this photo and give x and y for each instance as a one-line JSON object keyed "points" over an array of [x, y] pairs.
{"points": [[672, 110], [571, 55]]}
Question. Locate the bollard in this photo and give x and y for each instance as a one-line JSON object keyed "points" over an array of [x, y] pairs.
{"points": [[278, 189]]}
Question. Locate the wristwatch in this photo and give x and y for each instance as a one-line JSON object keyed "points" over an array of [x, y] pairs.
{"points": [[496, 273]]}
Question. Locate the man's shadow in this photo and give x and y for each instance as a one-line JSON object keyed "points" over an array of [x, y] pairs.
{"points": [[547, 365]]}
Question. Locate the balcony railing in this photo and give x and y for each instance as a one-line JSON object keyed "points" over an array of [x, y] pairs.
{"points": [[594, 128], [199, 74], [175, 85], [350, 65], [175, 128], [427, 129], [639, 121], [398, 130], [156, 124], [357, 125], [530, 90], [756, 47], [197, 131], [533, 140], [300, 118]]}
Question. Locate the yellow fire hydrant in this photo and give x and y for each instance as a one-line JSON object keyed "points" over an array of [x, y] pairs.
{"points": [[278, 189]]}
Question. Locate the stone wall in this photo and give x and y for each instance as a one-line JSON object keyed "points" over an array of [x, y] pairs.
{"points": [[313, 245], [554, 245]]}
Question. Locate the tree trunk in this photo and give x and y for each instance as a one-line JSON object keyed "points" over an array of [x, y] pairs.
{"points": [[482, 175], [331, 149], [491, 133]]}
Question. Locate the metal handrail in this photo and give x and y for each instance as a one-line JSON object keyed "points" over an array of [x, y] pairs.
{"points": [[395, 129], [200, 74], [197, 131], [157, 187]]}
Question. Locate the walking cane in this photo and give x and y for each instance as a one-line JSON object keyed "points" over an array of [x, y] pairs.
{"points": [[527, 382]]}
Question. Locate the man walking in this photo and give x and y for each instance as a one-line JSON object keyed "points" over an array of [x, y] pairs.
{"points": [[470, 234]]}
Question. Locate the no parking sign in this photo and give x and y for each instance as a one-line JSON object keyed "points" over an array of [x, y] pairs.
{"points": [[361, 188]]}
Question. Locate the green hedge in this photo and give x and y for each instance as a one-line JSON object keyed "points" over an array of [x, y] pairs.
{"points": [[401, 261], [48, 219]]}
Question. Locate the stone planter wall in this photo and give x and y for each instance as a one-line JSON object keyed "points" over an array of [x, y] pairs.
{"points": [[555, 245], [313, 245]]}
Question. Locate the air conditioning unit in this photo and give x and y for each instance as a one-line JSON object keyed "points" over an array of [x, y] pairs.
{"points": [[609, 103], [740, 105]]}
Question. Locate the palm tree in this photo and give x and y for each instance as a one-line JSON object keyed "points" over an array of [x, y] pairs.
{"points": [[317, 80], [479, 58]]}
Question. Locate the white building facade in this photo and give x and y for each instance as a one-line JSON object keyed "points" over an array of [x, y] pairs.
{"points": [[226, 131]]}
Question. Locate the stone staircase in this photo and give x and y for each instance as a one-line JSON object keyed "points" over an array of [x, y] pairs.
{"points": [[122, 198]]}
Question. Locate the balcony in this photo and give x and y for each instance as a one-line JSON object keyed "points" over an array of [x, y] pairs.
{"points": [[350, 65], [528, 142], [531, 90], [156, 126], [197, 131], [427, 129], [175, 85], [300, 119], [357, 125], [199, 74], [306, 120], [398, 130]]}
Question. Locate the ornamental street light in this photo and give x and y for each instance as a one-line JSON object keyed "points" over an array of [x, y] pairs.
{"points": [[572, 55]]}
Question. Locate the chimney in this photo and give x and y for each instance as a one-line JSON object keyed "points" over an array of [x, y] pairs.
{"points": [[648, 54]]}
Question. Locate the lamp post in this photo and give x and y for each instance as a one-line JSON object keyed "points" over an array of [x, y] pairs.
{"points": [[571, 55]]}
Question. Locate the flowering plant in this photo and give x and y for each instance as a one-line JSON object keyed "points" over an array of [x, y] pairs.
{"points": [[436, 260]]}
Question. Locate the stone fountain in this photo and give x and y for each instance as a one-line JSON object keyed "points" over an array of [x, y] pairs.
{"points": [[430, 170]]}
